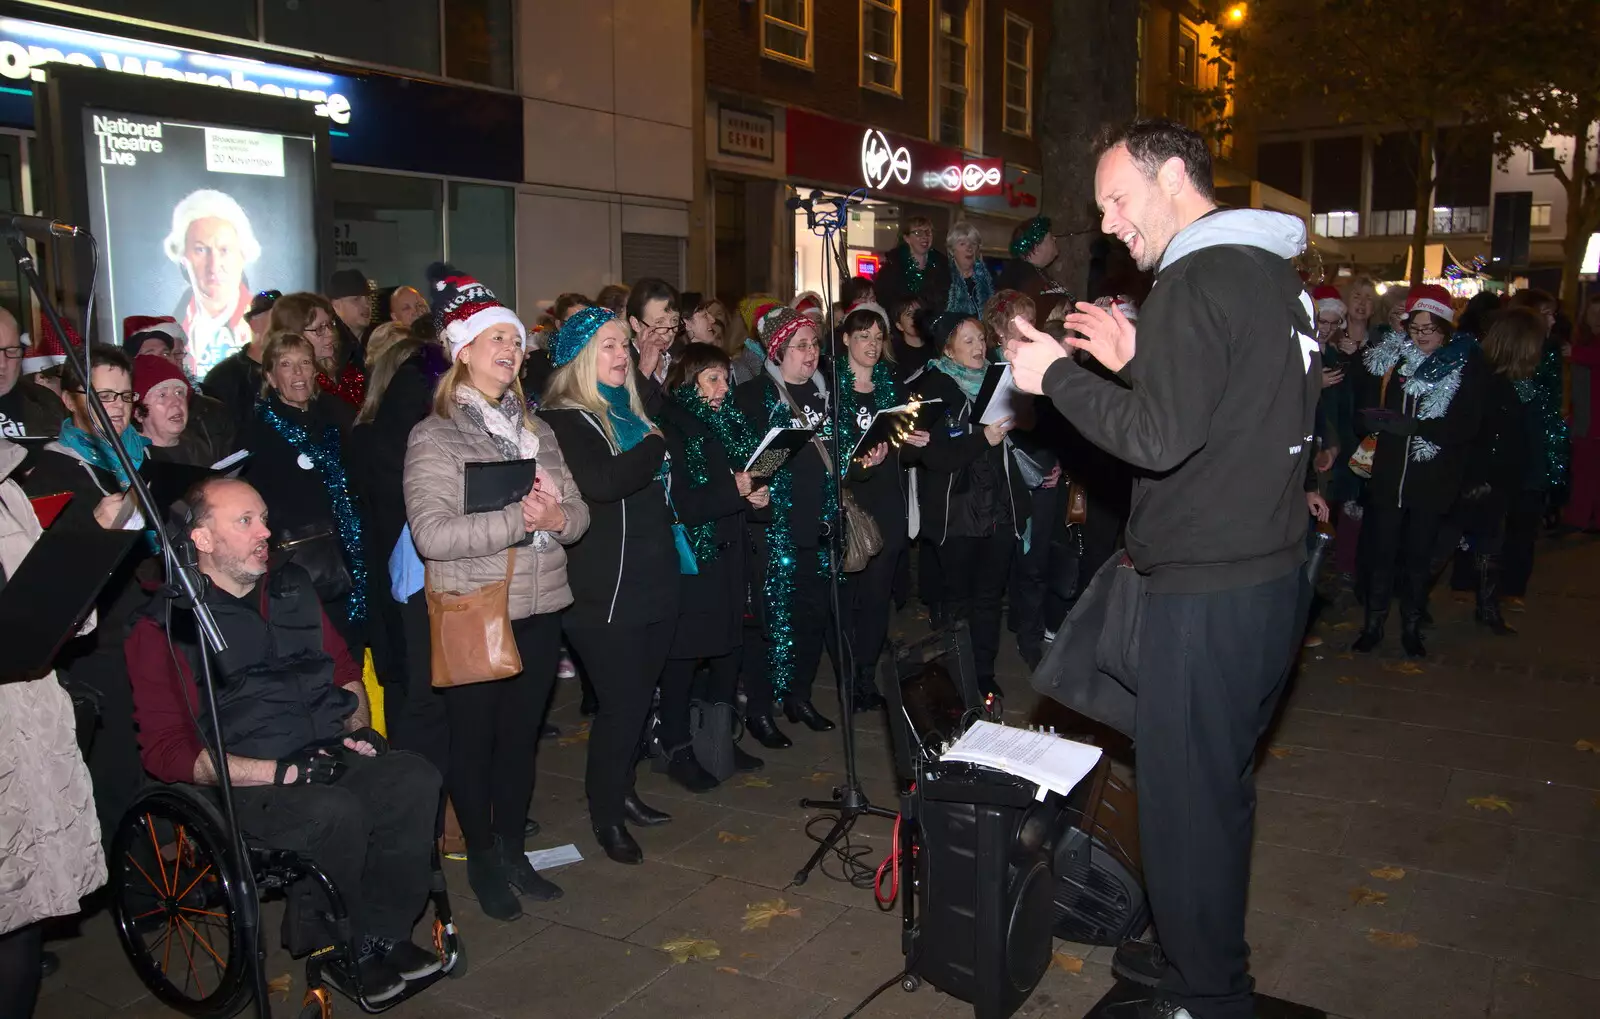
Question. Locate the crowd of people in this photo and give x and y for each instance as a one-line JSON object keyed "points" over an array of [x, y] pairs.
{"points": [[646, 557]]}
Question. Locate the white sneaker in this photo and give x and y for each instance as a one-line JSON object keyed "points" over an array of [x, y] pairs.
{"points": [[1049, 635], [565, 669]]}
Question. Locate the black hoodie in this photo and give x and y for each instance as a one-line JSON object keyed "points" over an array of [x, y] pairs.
{"points": [[1216, 410]]}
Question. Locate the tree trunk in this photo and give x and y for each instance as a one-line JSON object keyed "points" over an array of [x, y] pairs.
{"points": [[1581, 219], [1424, 206], [1088, 82]]}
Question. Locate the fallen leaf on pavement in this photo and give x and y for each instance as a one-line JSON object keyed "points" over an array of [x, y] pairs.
{"points": [[1070, 963], [282, 984], [759, 915], [1280, 752], [1405, 668], [1527, 980], [1364, 896], [1490, 802], [682, 949], [1346, 625], [1347, 680], [756, 782], [728, 836], [727, 969], [1590, 745], [820, 776], [749, 955], [581, 735], [1388, 873], [1392, 939], [1345, 656]]}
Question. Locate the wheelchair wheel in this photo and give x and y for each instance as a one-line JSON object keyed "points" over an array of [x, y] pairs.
{"points": [[175, 897]]}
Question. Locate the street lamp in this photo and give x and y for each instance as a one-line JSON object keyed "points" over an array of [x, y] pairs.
{"points": [[1236, 14]]}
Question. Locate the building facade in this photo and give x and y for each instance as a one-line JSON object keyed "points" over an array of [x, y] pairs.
{"points": [[541, 145], [905, 108]]}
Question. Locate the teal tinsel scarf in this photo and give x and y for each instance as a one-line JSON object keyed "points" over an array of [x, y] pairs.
{"points": [[734, 432], [969, 380], [885, 394], [96, 452], [969, 302], [630, 429]]}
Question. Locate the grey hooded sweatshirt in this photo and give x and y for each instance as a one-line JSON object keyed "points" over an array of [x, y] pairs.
{"points": [[1217, 408]]}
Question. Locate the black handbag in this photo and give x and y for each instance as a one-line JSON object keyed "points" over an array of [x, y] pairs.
{"points": [[1092, 666], [713, 730], [316, 549]]}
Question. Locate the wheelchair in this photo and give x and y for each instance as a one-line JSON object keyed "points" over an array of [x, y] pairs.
{"points": [[177, 896]]}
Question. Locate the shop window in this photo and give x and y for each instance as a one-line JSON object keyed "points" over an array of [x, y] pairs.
{"points": [[657, 255], [954, 71], [480, 233], [224, 17], [1019, 76], [477, 42], [388, 225], [389, 33], [786, 31], [880, 45]]}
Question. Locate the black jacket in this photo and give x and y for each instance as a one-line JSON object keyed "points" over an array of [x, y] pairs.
{"points": [[1402, 480], [969, 489], [296, 496], [894, 288], [711, 610], [624, 570], [810, 476], [377, 459], [30, 410], [1217, 409], [235, 382], [1507, 446]]}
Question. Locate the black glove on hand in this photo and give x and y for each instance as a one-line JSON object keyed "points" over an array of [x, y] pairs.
{"points": [[313, 767], [367, 734]]}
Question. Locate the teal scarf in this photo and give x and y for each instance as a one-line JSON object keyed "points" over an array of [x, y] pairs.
{"points": [[630, 429], [969, 380], [96, 452]]}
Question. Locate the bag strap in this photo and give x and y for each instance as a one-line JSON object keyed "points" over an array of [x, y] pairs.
{"points": [[511, 560], [816, 440], [1383, 388]]}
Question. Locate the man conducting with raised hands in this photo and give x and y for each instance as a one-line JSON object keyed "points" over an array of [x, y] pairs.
{"points": [[1214, 407]]}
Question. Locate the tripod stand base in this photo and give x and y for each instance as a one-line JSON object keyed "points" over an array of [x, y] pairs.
{"points": [[852, 804]]}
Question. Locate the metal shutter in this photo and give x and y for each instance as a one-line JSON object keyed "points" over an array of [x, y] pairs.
{"points": [[652, 255]]}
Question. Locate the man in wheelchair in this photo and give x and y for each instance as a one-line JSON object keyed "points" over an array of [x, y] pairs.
{"points": [[309, 773]]}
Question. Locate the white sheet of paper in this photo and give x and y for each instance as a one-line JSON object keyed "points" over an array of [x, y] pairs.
{"points": [[1048, 760], [1001, 405], [549, 859]]}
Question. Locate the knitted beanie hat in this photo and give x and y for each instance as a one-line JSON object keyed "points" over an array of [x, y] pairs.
{"points": [[753, 307], [149, 371], [576, 332], [940, 326], [463, 308], [777, 327]]}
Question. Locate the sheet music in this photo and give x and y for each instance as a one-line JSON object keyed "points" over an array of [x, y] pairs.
{"points": [[1045, 759], [1002, 404]]}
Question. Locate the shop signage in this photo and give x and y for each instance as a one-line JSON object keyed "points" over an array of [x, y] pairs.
{"points": [[742, 133], [373, 119], [851, 156], [1018, 198]]}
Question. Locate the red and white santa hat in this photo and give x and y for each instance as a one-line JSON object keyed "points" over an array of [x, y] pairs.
{"points": [[1433, 299], [45, 351], [809, 304], [1327, 298], [133, 325]]}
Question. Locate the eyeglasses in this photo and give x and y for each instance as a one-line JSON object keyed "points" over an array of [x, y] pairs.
{"points": [[13, 353], [805, 346], [1427, 330], [667, 325], [113, 396], [326, 327], [920, 232]]}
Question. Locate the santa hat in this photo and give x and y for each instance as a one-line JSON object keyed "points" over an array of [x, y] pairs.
{"points": [[1326, 298], [463, 308], [1433, 299], [137, 328], [46, 351], [150, 371], [1121, 302], [875, 308], [809, 304], [777, 327]]}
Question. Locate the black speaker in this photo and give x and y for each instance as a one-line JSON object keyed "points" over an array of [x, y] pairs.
{"points": [[1099, 896], [984, 890], [1513, 220]]}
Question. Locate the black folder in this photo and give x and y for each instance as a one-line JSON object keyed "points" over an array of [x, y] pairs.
{"points": [[46, 600], [492, 485]]}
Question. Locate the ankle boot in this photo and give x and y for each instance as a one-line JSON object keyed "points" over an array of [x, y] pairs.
{"points": [[804, 712], [618, 844], [1411, 633], [486, 874], [766, 732], [521, 875], [1488, 614], [641, 813], [1371, 631], [684, 768]]}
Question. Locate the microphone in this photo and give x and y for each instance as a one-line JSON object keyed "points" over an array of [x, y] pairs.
{"points": [[42, 227], [795, 203]]}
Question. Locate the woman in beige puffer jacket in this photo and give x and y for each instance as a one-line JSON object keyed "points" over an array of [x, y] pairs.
{"points": [[50, 853], [480, 415]]}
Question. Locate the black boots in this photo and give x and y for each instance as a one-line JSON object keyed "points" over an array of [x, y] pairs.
{"points": [[521, 875], [766, 732], [641, 813], [864, 695], [1411, 632], [1371, 631], [805, 712], [618, 844], [1488, 614], [491, 885], [684, 768]]}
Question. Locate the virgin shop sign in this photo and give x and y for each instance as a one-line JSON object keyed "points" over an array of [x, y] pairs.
{"points": [[854, 156]]}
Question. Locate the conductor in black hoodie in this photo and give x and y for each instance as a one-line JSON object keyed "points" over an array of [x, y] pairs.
{"points": [[1215, 411]]}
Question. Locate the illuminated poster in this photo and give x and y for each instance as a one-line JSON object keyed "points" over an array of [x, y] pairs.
{"points": [[193, 219]]}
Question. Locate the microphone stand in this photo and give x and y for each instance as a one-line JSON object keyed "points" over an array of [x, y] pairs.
{"points": [[183, 581], [849, 800]]}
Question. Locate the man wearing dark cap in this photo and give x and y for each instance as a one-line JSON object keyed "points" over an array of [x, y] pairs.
{"points": [[351, 294], [236, 380]]}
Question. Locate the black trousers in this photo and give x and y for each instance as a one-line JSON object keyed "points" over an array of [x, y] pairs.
{"points": [[871, 596], [113, 757], [975, 575], [624, 663], [930, 574], [678, 689], [1521, 533], [413, 710], [1400, 546], [21, 955], [1211, 669], [494, 734], [813, 629], [371, 832], [1045, 575]]}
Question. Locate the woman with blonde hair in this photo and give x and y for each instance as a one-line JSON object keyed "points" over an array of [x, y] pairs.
{"points": [[479, 415], [339, 370], [624, 574]]}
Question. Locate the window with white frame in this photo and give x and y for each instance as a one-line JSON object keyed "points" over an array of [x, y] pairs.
{"points": [[954, 71], [1336, 224], [1019, 76], [880, 45], [1539, 216], [786, 31]]}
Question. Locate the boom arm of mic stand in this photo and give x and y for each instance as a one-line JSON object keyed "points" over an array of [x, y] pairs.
{"points": [[180, 576]]}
